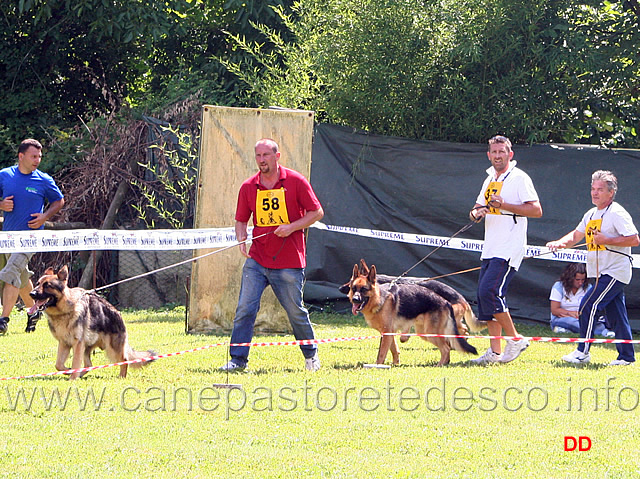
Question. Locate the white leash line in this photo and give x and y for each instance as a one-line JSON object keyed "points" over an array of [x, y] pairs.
{"points": [[460, 231], [175, 264]]}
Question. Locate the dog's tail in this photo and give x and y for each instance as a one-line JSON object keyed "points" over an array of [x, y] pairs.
{"points": [[471, 320], [131, 355], [463, 345], [459, 344]]}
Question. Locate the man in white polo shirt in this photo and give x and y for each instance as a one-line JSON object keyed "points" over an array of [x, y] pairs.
{"points": [[610, 234], [506, 200]]}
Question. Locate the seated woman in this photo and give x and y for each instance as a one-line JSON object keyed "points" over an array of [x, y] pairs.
{"points": [[565, 298]]}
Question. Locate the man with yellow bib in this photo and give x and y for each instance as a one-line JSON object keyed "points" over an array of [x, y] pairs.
{"points": [[282, 204], [610, 234], [506, 200]]}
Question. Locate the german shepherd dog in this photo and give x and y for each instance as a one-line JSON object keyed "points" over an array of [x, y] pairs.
{"points": [[465, 318], [390, 308], [82, 321]]}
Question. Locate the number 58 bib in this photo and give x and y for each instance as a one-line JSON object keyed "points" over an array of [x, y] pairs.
{"points": [[271, 208]]}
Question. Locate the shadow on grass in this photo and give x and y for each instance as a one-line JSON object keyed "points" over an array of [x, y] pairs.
{"points": [[334, 319], [432, 365], [560, 364], [101, 374], [215, 372], [57, 377], [157, 319]]}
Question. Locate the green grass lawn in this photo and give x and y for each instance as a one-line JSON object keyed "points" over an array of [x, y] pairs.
{"points": [[414, 420]]}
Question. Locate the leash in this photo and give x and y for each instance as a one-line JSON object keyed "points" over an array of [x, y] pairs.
{"points": [[461, 230], [177, 264], [595, 285], [478, 267], [474, 220]]}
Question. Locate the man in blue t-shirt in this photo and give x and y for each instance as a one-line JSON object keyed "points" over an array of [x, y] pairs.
{"points": [[24, 190]]}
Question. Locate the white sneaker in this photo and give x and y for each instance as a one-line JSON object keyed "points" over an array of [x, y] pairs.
{"points": [[577, 357], [488, 357], [312, 364], [232, 366], [619, 362], [513, 349], [610, 334], [558, 329]]}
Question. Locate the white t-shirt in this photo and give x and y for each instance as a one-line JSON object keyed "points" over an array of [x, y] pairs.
{"points": [[568, 301], [505, 236], [616, 263]]}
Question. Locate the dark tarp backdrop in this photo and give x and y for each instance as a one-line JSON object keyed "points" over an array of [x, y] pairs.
{"points": [[428, 187]]}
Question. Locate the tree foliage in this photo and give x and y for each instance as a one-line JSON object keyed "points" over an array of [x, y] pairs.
{"points": [[167, 198], [65, 62], [540, 71]]}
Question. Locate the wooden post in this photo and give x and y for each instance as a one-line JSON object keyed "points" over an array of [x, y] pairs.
{"points": [[226, 160]]}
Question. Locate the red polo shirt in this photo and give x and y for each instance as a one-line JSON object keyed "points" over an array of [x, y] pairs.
{"points": [[271, 251]]}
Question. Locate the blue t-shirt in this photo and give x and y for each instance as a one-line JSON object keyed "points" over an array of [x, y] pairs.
{"points": [[29, 194]]}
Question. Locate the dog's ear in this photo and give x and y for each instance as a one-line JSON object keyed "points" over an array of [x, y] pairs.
{"points": [[63, 274], [345, 288], [49, 271], [364, 269], [355, 273], [372, 274]]}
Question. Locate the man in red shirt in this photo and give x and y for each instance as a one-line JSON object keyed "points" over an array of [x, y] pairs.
{"points": [[282, 204]]}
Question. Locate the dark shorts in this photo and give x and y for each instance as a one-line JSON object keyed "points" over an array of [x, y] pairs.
{"points": [[495, 276]]}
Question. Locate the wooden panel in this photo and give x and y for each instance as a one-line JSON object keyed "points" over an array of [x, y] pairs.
{"points": [[226, 160]]}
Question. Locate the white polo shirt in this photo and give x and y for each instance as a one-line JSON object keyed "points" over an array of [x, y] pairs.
{"points": [[505, 236], [568, 300]]}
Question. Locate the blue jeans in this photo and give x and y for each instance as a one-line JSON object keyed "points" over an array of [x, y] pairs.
{"points": [[608, 295], [572, 324], [287, 286]]}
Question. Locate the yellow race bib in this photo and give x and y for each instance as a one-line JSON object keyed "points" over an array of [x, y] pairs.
{"points": [[494, 188], [593, 228], [271, 208]]}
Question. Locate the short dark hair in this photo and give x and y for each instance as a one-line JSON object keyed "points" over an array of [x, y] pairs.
{"points": [[28, 143], [500, 139]]}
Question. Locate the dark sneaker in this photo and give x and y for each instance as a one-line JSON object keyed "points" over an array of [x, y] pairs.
{"points": [[3, 324], [32, 319]]}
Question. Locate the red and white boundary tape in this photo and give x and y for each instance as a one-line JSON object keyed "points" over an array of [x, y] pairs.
{"points": [[201, 348], [327, 340], [541, 339]]}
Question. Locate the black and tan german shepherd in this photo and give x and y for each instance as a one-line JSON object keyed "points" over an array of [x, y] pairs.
{"points": [[465, 318], [393, 307], [82, 321]]}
